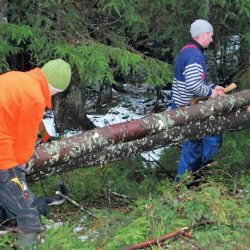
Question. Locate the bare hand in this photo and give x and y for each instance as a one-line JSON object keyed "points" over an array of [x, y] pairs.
{"points": [[220, 90]]}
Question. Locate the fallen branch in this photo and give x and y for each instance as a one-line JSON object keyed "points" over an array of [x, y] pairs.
{"points": [[181, 232], [157, 241], [123, 196], [76, 204]]}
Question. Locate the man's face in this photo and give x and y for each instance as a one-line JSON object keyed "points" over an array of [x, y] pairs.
{"points": [[207, 38]]}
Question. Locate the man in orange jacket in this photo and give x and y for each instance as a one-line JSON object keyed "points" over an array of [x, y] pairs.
{"points": [[23, 99]]}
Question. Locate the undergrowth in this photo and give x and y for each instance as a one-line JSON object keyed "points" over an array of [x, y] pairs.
{"points": [[216, 212]]}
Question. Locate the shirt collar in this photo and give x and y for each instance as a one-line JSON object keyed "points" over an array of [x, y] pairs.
{"points": [[197, 45]]}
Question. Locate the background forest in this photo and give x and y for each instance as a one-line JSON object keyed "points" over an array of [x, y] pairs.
{"points": [[109, 43]]}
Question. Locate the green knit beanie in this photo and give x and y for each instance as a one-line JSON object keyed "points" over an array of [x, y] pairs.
{"points": [[58, 73]]}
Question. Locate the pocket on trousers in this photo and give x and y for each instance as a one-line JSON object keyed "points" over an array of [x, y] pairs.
{"points": [[4, 176]]}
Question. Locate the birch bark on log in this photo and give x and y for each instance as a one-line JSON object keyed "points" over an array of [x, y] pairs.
{"points": [[76, 156], [84, 143]]}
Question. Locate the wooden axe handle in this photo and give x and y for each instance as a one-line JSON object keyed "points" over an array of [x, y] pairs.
{"points": [[227, 89], [230, 87]]}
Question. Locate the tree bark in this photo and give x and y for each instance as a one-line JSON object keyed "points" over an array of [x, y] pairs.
{"points": [[3, 10], [112, 143], [127, 131], [237, 120], [69, 109]]}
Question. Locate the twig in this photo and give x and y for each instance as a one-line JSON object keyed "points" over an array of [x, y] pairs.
{"points": [[191, 242], [201, 223], [76, 204], [5, 230], [198, 171], [121, 196]]}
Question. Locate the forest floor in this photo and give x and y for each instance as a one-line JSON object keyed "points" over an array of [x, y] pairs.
{"points": [[136, 200]]}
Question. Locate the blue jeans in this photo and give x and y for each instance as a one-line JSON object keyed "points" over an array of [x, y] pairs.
{"points": [[197, 153]]}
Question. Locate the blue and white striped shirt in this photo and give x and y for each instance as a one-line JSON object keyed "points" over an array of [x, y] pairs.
{"points": [[190, 78]]}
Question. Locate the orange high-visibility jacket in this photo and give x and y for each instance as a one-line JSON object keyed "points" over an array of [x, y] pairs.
{"points": [[23, 99]]}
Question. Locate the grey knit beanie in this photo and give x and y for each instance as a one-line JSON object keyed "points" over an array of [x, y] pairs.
{"points": [[199, 27]]}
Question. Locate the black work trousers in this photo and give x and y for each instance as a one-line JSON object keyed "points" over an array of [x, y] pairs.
{"points": [[16, 199]]}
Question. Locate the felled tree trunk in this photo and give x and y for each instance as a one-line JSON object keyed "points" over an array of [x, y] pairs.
{"points": [[129, 138], [218, 125]]}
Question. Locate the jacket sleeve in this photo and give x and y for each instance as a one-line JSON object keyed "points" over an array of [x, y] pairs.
{"points": [[195, 78], [30, 117]]}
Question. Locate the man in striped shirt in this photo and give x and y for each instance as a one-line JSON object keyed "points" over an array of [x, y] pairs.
{"points": [[190, 81]]}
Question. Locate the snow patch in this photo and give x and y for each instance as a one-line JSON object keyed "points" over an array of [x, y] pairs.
{"points": [[115, 115]]}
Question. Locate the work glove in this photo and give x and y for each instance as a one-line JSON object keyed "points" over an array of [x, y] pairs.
{"points": [[50, 139]]}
